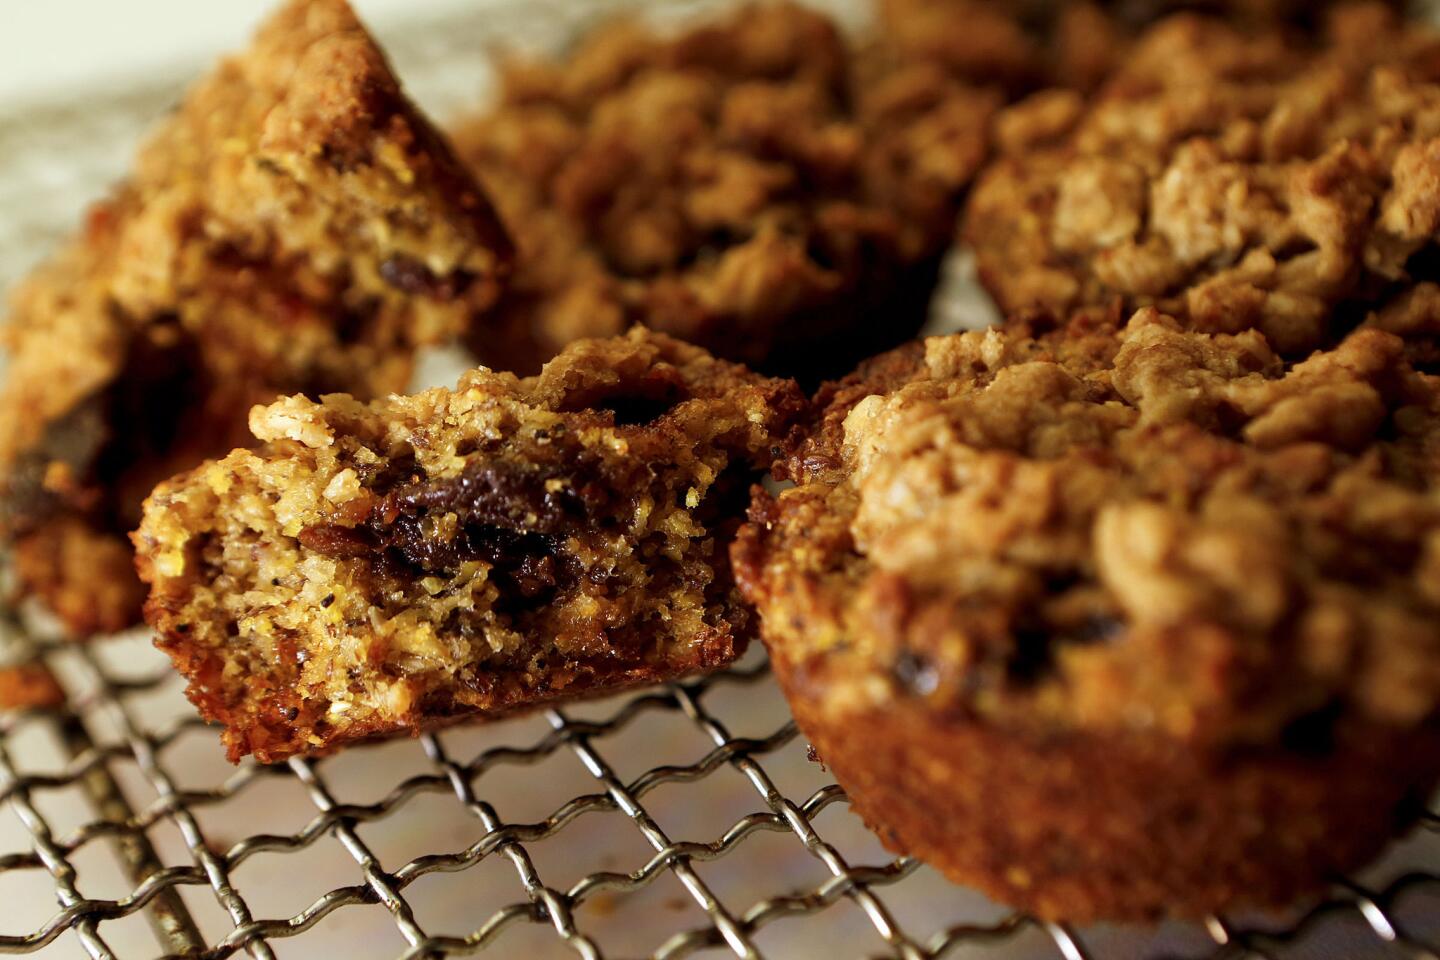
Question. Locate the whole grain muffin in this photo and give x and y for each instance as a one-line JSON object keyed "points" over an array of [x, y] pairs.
{"points": [[733, 184], [1235, 179], [1116, 624], [379, 569], [296, 225]]}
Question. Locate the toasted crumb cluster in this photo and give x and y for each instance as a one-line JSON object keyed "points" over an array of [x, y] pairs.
{"points": [[736, 185], [386, 568], [1152, 530], [1173, 553], [1234, 178], [295, 226]]}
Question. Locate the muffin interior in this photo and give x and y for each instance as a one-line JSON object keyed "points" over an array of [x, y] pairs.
{"points": [[467, 550]]}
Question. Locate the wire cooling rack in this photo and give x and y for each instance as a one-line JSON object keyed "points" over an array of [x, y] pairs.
{"points": [[569, 833], [681, 821], [667, 823]]}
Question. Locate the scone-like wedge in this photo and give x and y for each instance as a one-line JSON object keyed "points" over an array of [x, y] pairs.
{"points": [[379, 569], [735, 184], [295, 226], [1117, 625], [1235, 179]]}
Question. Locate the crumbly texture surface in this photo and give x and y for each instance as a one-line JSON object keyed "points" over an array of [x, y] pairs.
{"points": [[1088, 828], [743, 184], [1235, 178], [296, 225], [386, 568], [1138, 539]]}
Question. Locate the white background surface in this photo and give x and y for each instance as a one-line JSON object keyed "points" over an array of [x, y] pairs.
{"points": [[59, 46]]}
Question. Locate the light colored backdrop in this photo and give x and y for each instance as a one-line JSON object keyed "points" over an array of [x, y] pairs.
{"points": [[50, 47]]}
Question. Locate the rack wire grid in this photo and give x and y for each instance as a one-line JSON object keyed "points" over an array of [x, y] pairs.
{"points": [[678, 821]]}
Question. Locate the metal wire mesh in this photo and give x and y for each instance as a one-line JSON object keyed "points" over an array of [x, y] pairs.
{"points": [[679, 821], [118, 740]]}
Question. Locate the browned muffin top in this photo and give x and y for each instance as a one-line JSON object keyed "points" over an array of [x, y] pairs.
{"points": [[1145, 530], [1233, 178], [732, 184]]}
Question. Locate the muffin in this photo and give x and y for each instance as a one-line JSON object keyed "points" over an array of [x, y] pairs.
{"points": [[1116, 624], [296, 225], [386, 568], [737, 184], [1232, 178]]}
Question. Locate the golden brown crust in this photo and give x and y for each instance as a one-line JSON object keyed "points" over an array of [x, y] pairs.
{"points": [[1087, 827], [1235, 179], [1135, 538], [737, 185], [380, 569], [296, 225]]}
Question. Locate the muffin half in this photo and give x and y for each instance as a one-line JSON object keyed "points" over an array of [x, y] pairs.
{"points": [[385, 568]]}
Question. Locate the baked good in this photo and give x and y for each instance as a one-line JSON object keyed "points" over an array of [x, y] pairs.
{"points": [[1233, 178], [295, 226], [731, 184], [1116, 624], [371, 570]]}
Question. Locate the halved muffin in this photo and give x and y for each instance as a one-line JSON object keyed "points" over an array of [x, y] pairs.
{"points": [[384, 568]]}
